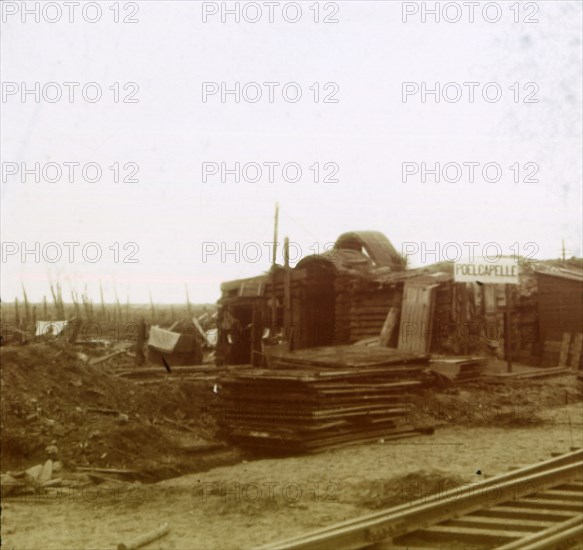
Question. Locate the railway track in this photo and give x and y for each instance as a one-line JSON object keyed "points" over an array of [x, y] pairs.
{"points": [[536, 507]]}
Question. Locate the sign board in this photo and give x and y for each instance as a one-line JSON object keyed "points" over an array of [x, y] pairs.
{"points": [[490, 271]]}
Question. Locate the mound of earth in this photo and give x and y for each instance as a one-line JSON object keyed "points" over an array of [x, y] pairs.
{"points": [[56, 404]]}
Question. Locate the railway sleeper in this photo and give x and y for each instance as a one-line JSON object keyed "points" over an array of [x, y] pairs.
{"points": [[455, 535], [562, 505], [543, 514], [516, 524]]}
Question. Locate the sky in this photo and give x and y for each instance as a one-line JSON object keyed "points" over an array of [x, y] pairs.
{"points": [[176, 216]]}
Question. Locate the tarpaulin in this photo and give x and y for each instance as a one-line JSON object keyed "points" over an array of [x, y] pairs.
{"points": [[163, 340]]}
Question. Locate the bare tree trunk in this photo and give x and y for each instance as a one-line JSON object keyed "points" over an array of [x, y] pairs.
{"points": [[140, 358], [152, 309], [26, 306], [103, 312]]}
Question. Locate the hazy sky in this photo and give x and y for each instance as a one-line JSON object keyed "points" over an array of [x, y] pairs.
{"points": [[366, 136]]}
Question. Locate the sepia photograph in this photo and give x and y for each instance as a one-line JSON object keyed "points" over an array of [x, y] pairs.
{"points": [[291, 275]]}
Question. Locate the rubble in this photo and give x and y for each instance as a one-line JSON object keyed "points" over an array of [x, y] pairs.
{"points": [[55, 405]]}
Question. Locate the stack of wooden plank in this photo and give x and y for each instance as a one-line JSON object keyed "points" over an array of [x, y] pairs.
{"points": [[323, 398], [460, 369]]}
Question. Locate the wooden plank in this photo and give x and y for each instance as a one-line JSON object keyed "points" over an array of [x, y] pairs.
{"points": [[105, 470], [563, 505], [565, 345], [474, 534], [574, 496], [517, 524], [146, 538], [389, 327], [503, 511], [575, 361], [561, 535]]}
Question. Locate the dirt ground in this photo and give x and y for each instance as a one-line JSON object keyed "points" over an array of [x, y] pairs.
{"points": [[226, 498], [257, 502]]}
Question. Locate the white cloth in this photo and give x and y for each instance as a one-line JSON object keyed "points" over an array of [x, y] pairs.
{"points": [[50, 328]]}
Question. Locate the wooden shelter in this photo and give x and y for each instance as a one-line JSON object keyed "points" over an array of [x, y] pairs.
{"points": [[361, 290]]}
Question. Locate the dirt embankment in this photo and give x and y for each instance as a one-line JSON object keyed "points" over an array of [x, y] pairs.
{"points": [[52, 396]]}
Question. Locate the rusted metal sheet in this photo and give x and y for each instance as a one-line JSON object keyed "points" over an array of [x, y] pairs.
{"points": [[416, 317]]}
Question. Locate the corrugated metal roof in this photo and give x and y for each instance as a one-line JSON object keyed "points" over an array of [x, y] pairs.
{"points": [[571, 274], [375, 245]]}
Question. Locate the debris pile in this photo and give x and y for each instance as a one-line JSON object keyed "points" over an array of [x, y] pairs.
{"points": [[322, 398], [55, 395], [50, 481]]}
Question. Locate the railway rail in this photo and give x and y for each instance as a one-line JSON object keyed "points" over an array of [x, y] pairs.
{"points": [[536, 507]]}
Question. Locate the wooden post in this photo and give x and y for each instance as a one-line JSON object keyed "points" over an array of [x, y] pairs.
{"points": [[287, 314], [256, 333], [273, 275], [464, 319], [508, 329]]}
